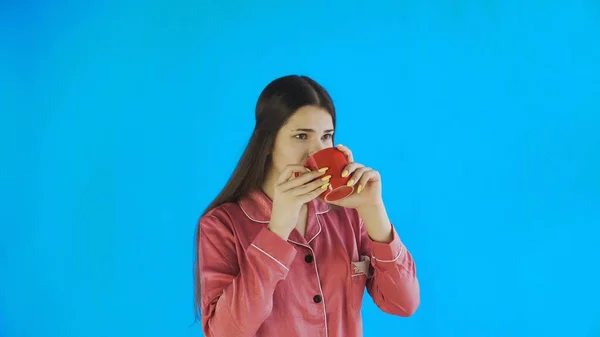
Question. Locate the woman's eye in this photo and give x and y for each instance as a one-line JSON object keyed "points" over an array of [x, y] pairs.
{"points": [[302, 136], [327, 136]]}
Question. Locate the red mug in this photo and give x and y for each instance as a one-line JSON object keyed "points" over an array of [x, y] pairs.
{"points": [[335, 161]]}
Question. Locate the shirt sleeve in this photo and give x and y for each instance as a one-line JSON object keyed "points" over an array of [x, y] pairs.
{"points": [[237, 287], [393, 286]]}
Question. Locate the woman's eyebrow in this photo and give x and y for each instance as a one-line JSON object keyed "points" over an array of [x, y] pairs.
{"points": [[311, 130]]}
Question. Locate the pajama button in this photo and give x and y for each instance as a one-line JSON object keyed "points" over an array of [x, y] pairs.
{"points": [[317, 299], [309, 258]]}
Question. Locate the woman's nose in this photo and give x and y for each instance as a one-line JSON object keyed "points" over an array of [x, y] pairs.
{"points": [[316, 148]]}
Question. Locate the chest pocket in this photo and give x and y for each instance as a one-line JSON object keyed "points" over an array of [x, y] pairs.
{"points": [[359, 274]]}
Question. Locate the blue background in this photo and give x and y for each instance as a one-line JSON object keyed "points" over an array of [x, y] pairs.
{"points": [[121, 120]]}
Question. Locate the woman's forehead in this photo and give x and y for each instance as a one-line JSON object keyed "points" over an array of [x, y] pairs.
{"points": [[310, 117]]}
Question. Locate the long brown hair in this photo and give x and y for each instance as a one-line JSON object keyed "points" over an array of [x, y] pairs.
{"points": [[278, 101]]}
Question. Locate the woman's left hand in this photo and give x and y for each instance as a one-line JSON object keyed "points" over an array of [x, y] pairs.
{"points": [[366, 182]]}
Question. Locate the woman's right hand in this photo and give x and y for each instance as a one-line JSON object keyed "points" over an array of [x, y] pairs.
{"points": [[291, 193]]}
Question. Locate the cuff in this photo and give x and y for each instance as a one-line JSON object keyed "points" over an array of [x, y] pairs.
{"points": [[387, 252], [275, 248]]}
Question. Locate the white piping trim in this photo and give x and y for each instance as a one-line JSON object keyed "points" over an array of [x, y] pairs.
{"points": [[319, 231], [319, 282], [317, 271], [396, 258], [248, 216], [269, 255], [322, 294], [325, 211]]}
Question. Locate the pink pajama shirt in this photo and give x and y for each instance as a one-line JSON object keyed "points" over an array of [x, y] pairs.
{"points": [[254, 283]]}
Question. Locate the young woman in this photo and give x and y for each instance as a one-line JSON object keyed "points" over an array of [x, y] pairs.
{"points": [[273, 259]]}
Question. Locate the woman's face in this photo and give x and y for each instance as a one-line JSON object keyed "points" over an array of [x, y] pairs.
{"points": [[309, 130]]}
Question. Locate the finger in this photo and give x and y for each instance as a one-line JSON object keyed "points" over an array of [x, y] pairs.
{"points": [[303, 179], [298, 174], [350, 168], [357, 175], [313, 194], [346, 151], [289, 171], [368, 176], [311, 186]]}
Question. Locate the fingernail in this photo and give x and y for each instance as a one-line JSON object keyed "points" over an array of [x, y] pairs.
{"points": [[359, 189], [350, 182], [324, 186], [325, 178], [323, 169], [345, 173], [308, 170]]}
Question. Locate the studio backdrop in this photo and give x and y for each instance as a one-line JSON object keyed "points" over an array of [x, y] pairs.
{"points": [[121, 120]]}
